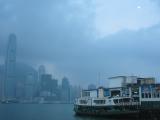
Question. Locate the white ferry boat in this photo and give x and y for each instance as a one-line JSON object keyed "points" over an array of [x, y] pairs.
{"points": [[130, 98]]}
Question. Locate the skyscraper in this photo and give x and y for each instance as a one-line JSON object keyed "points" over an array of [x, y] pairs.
{"points": [[65, 90], [10, 64], [48, 84], [65, 83], [41, 71], [29, 87]]}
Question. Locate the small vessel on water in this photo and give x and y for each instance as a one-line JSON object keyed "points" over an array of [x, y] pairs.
{"points": [[125, 96]]}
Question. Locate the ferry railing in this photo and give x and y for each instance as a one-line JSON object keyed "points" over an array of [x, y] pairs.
{"points": [[128, 103]]}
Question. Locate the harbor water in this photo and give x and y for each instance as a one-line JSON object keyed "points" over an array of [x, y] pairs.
{"points": [[41, 112]]}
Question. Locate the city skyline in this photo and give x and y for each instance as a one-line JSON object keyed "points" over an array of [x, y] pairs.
{"points": [[10, 67], [26, 84]]}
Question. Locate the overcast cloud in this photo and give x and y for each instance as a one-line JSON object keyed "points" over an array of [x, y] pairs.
{"points": [[79, 38]]}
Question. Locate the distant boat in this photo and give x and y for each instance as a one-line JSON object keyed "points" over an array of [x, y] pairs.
{"points": [[8, 101]]}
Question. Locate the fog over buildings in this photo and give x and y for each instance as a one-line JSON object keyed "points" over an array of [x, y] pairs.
{"points": [[79, 39], [20, 82]]}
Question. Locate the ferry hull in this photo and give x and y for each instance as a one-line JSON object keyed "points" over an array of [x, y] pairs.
{"points": [[106, 111], [140, 113]]}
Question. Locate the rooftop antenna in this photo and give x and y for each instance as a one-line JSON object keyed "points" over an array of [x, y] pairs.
{"points": [[99, 77]]}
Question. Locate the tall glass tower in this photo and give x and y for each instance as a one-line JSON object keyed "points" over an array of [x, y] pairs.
{"points": [[10, 64], [41, 71]]}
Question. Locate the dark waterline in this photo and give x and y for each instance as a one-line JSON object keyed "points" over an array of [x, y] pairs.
{"points": [[41, 112]]}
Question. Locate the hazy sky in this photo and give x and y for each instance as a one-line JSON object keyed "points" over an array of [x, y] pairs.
{"points": [[79, 38]]}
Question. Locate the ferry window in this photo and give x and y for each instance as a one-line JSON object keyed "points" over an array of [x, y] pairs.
{"points": [[99, 101], [136, 99], [115, 101], [154, 95], [135, 90], [126, 100], [115, 93], [149, 95], [86, 94], [120, 100], [83, 101], [142, 95], [146, 95]]}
